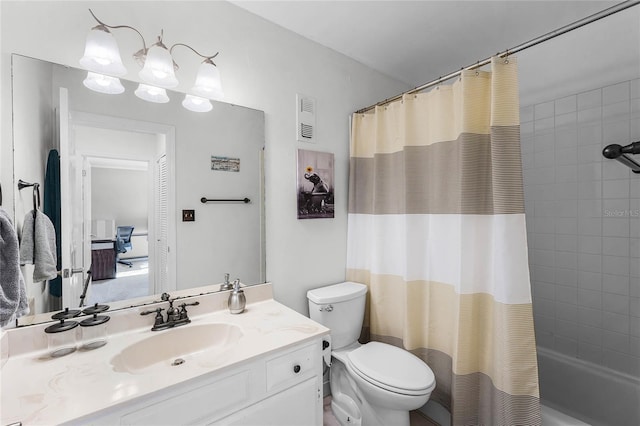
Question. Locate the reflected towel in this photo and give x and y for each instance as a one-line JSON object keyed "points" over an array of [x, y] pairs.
{"points": [[38, 246], [13, 295]]}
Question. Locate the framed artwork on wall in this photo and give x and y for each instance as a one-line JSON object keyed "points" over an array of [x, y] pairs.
{"points": [[315, 184]]}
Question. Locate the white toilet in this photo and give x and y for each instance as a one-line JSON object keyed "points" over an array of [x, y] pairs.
{"points": [[371, 384]]}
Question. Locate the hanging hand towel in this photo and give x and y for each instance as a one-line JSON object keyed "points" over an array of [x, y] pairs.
{"points": [[13, 295], [38, 246]]}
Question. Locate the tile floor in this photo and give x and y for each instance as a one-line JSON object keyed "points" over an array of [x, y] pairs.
{"points": [[417, 419]]}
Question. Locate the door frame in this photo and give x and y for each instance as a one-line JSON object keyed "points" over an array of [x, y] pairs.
{"points": [[78, 118]]}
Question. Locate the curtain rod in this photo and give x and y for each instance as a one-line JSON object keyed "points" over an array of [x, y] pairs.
{"points": [[533, 42]]}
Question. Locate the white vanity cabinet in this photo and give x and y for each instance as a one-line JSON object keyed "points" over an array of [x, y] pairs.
{"points": [[283, 387]]}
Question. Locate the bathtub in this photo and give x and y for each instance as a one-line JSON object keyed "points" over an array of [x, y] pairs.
{"points": [[575, 393], [591, 393]]}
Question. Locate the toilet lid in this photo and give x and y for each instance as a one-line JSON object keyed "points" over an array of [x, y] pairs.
{"points": [[392, 368]]}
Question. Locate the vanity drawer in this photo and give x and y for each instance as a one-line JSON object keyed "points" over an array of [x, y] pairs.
{"points": [[291, 367]]}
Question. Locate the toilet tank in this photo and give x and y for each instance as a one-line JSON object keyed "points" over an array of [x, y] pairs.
{"points": [[339, 307]]}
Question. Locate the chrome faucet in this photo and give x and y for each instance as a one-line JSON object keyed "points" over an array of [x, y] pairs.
{"points": [[175, 316], [226, 285]]}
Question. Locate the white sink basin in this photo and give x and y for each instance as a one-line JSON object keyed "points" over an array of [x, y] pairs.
{"points": [[175, 346]]}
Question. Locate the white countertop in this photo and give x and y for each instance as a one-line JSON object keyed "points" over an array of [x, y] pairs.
{"points": [[38, 389]]}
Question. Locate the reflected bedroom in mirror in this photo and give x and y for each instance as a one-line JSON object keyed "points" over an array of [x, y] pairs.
{"points": [[111, 187]]}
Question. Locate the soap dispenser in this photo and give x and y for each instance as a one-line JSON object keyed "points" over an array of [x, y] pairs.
{"points": [[237, 301]]}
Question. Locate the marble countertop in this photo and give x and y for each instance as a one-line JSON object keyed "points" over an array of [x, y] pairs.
{"points": [[38, 389]]}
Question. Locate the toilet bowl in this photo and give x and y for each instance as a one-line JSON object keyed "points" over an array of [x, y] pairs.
{"points": [[371, 384]]}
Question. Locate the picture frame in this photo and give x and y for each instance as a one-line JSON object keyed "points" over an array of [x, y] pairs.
{"points": [[315, 184]]}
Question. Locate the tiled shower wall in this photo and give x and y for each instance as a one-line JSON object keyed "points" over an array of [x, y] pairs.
{"points": [[583, 225]]}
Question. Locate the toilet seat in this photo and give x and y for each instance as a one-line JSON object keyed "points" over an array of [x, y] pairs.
{"points": [[391, 368]]}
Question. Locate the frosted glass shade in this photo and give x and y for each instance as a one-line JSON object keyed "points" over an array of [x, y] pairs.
{"points": [[208, 84], [103, 83], [152, 94], [158, 68], [101, 53], [196, 104]]}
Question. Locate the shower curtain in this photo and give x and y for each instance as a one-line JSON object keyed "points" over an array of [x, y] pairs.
{"points": [[436, 229]]}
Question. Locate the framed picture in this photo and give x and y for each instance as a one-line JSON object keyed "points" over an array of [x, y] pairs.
{"points": [[315, 182]]}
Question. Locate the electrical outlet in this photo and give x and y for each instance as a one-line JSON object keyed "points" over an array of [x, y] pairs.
{"points": [[188, 215]]}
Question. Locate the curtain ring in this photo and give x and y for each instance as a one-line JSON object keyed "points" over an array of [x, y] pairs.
{"points": [[506, 57]]}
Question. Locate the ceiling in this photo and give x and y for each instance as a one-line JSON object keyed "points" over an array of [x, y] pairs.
{"points": [[418, 41]]}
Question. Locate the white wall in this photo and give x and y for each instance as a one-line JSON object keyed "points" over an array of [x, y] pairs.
{"points": [[263, 66]]}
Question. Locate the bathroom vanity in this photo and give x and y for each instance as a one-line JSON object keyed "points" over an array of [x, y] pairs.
{"points": [[263, 366]]}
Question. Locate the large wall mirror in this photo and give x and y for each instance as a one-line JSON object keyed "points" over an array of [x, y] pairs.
{"points": [[131, 173]]}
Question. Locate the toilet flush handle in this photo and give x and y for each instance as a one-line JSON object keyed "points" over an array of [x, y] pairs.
{"points": [[327, 308]]}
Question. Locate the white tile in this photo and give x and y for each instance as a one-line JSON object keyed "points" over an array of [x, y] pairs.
{"points": [[590, 226], [566, 346], [615, 265], [590, 116], [635, 88], [612, 169], [566, 312], [615, 246], [591, 353], [526, 114], [590, 134], [615, 227], [617, 284], [615, 322], [619, 342], [616, 189], [590, 299], [544, 110], [616, 132], [543, 124], [588, 316], [590, 280], [590, 208], [617, 112], [615, 303], [589, 99], [567, 294], [567, 104], [566, 277], [589, 262], [566, 242], [590, 244], [591, 335], [616, 93]]}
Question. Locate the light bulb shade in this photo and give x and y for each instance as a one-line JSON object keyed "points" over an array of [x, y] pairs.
{"points": [[152, 94], [158, 68], [101, 53], [103, 83], [196, 104], [208, 83]]}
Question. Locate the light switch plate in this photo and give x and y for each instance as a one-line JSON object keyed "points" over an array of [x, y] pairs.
{"points": [[188, 215]]}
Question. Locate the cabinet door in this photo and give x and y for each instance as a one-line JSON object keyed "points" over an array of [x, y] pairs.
{"points": [[300, 405]]}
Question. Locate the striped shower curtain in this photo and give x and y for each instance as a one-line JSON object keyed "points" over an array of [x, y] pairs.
{"points": [[437, 231]]}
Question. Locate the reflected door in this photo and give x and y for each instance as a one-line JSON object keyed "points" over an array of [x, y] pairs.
{"points": [[72, 233]]}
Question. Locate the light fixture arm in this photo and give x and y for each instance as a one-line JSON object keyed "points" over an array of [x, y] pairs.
{"points": [[144, 45], [206, 58]]}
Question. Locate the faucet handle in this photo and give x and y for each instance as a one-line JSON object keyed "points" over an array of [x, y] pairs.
{"points": [[153, 311], [165, 297]]}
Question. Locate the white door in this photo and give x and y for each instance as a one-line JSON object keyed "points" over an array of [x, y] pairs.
{"points": [[72, 234]]}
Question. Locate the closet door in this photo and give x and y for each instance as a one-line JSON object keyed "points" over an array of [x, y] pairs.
{"points": [[162, 225]]}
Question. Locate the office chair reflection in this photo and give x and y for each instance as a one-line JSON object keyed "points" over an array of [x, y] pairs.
{"points": [[123, 243]]}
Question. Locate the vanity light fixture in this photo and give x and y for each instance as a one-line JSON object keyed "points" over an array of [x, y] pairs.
{"points": [[196, 103], [152, 93], [103, 83], [102, 60]]}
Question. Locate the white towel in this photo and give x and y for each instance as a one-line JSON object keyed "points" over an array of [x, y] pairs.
{"points": [[38, 246], [13, 295]]}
